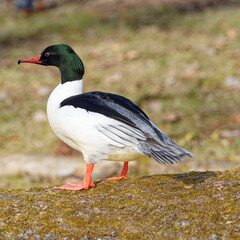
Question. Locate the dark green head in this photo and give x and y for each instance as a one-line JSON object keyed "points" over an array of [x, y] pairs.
{"points": [[63, 57]]}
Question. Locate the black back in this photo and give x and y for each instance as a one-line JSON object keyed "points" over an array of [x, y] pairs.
{"points": [[106, 104]]}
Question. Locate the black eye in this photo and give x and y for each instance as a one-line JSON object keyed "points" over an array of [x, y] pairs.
{"points": [[46, 54]]}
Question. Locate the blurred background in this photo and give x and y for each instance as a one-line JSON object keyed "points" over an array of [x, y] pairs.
{"points": [[178, 60]]}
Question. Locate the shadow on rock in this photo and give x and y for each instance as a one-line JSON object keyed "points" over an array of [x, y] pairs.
{"points": [[192, 177]]}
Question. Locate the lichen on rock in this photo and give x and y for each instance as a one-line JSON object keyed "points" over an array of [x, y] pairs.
{"points": [[194, 205]]}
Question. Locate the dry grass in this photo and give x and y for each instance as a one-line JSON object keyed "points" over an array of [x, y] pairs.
{"points": [[171, 64]]}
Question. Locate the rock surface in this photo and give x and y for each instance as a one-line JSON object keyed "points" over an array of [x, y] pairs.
{"points": [[195, 205]]}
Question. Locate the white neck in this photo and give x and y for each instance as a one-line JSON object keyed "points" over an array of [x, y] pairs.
{"points": [[69, 89], [61, 92]]}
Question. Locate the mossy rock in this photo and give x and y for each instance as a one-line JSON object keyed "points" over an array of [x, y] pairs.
{"points": [[195, 205]]}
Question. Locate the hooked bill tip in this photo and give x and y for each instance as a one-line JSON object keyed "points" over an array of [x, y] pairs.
{"points": [[19, 61]]}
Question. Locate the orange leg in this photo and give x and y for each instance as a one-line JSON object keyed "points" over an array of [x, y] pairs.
{"points": [[122, 176], [87, 181]]}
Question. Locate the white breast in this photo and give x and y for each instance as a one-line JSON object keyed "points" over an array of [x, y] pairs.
{"points": [[61, 92]]}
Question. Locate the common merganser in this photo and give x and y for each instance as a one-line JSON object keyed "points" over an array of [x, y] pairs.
{"points": [[103, 126]]}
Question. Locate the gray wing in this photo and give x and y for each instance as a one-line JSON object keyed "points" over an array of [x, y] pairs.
{"points": [[130, 126], [169, 152], [121, 135]]}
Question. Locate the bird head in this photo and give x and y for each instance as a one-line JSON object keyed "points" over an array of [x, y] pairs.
{"points": [[63, 57]]}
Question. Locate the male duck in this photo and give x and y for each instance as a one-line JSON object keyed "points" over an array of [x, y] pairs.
{"points": [[103, 126]]}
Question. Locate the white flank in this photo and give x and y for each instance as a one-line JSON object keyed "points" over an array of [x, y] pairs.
{"points": [[95, 135]]}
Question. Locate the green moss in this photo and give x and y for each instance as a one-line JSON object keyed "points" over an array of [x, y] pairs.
{"points": [[172, 206]]}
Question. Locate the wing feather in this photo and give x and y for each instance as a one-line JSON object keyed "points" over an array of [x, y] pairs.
{"points": [[120, 135], [110, 138], [128, 125]]}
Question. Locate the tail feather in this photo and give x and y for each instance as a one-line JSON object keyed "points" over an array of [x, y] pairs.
{"points": [[171, 153], [163, 149], [167, 157], [157, 157]]}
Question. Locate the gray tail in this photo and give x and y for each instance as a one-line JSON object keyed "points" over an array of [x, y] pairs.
{"points": [[169, 152], [164, 156]]}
